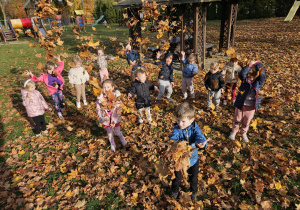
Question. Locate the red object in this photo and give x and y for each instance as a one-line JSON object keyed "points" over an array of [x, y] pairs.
{"points": [[26, 22]]}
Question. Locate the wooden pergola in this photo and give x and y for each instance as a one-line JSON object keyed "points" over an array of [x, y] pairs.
{"points": [[194, 35]]}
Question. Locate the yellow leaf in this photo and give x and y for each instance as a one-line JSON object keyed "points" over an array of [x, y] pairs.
{"points": [[94, 29], [254, 124], [69, 194], [278, 185], [22, 152], [129, 172], [15, 180], [108, 27], [206, 129], [238, 143]]}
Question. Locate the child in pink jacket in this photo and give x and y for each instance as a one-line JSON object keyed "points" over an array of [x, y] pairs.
{"points": [[35, 105], [54, 83], [109, 112]]}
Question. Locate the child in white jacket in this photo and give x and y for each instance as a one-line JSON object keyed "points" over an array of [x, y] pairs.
{"points": [[78, 76]]}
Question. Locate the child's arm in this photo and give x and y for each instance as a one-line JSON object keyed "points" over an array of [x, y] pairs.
{"points": [[45, 105], [174, 135], [71, 76], [153, 87], [195, 69], [60, 67], [221, 82], [206, 82], [132, 91], [201, 141], [243, 73]]}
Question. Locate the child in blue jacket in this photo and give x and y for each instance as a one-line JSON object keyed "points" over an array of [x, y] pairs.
{"points": [[186, 129], [132, 55], [189, 71], [248, 99]]}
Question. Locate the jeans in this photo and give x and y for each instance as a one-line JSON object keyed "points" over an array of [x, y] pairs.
{"points": [[40, 124]]}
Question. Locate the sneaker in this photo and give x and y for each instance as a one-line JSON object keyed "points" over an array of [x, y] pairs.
{"points": [[84, 103], [232, 136], [38, 135], [245, 138], [60, 115], [78, 105], [171, 99], [185, 97], [194, 197], [45, 132], [158, 101], [174, 195], [233, 101], [113, 148], [224, 102], [141, 121]]}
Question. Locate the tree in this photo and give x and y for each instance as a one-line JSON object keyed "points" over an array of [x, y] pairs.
{"points": [[2, 5]]}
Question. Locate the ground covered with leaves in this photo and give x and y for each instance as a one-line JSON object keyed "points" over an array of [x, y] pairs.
{"points": [[73, 166]]}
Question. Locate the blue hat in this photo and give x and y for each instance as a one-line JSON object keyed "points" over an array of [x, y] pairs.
{"points": [[168, 55]]}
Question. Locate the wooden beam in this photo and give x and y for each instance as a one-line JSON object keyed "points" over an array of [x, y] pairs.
{"points": [[181, 18], [235, 6], [204, 10], [196, 28], [229, 27]]}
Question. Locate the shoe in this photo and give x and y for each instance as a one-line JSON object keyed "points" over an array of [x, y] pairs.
{"points": [[45, 132], [232, 136], [174, 195], [218, 109], [224, 102], [245, 138], [84, 103], [60, 115], [38, 135], [233, 101], [78, 105], [124, 142], [171, 99], [194, 197], [158, 101], [141, 121], [185, 97], [113, 148]]}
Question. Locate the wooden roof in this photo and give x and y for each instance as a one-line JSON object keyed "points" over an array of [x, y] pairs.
{"points": [[136, 3]]}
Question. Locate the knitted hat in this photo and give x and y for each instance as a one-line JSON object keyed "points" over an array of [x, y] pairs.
{"points": [[168, 55], [252, 63]]}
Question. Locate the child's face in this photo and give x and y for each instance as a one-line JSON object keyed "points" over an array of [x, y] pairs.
{"points": [[50, 70], [169, 60], [213, 71], [128, 47], [191, 60], [184, 122], [107, 87], [100, 52], [142, 78], [31, 87], [78, 65]]}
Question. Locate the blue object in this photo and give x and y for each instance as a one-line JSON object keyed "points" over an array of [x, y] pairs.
{"points": [[80, 22], [97, 21], [193, 135], [132, 55], [189, 69]]}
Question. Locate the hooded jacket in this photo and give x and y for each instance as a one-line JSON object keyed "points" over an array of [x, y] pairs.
{"points": [[142, 90], [192, 135], [189, 69], [246, 86], [231, 72], [78, 76], [214, 81], [36, 104], [166, 72], [103, 115], [44, 78], [102, 61], [132, 55]]}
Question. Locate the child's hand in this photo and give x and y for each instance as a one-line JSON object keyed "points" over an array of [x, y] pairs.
{"points": [[172, 85], [202, 145], [222, 90], [28, 73], [58, 58], [50, 109], [129, 95], [158, 54], [72, 85], [209, 89], [182, 53], [156, 89]]}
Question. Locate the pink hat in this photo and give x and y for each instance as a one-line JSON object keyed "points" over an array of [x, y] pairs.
{"points": [[252, 63]]}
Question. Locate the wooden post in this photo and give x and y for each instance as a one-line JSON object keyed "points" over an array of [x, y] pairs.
{"points": [[234, 19], [229, 27], [223, 25], [196, 28], [204, 9], [181, 18]]}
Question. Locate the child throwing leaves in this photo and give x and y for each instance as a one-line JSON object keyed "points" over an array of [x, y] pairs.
{"points": [[54, 83], [186, 129], [35, 105], [231, 72], [214, 83], [102, 63], [132, 55], [78, 76], [141, 87], [189, 71], [109, 112], [247, 100], [134, 68], [165, 76]]}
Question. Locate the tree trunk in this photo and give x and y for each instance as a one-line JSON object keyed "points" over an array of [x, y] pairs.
{"points": [[3, 12]]}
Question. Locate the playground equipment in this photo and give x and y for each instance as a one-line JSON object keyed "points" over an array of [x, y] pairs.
{"points": [[79, 20], [10, 33], [97, 21], [293, 11]]}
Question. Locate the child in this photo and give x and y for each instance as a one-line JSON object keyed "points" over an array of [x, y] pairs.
{"points": [[109, 112], [102, 63], [214, 83], [35, 105], [132, 55], [78, 76], [188, 72], [231, 72], [186, 129], [247, 100], [165, 76], [134, 68], [141, 88], [54, 83]]}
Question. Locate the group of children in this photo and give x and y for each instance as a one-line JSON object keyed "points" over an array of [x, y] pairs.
{"points": [[246, 103]]}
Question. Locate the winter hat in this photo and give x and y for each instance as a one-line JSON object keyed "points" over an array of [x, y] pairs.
{"points": [[168, 55], [252, 63]]}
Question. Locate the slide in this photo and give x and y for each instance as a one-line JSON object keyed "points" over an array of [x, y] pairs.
{"points": [[293, 11], [97, 21], [43, 31]]}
